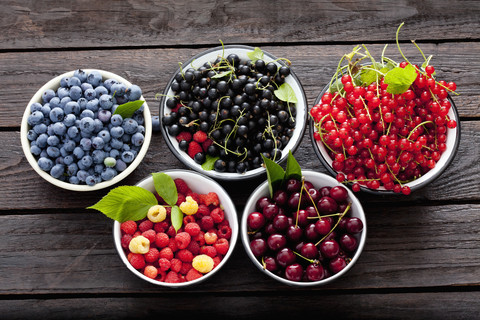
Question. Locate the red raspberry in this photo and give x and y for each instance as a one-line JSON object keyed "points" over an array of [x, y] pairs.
{"points": [[161, 240], [172, 244], [129, 227], [221, 246], [210, 198], [184, 255], [161, 275], [150, 271], [224, 232], [145, 225], [171, 231], [209, 251], [182, 239], [194, 195], [216, 261], [172, 277], [184, 135], [175, 265], [200, 238], [217, 214], [152, 255], [194, 247], [137, 260], [180, 199], [161, 226], [136, 234], [200, 136], [186, 266], [192, 228], [207, 143], [194, 148], [188, 219], [203, 210], [126, 238], [150, 235], [182, 186], [193, 274], [166, 253], [163, 264], [207, 223]]}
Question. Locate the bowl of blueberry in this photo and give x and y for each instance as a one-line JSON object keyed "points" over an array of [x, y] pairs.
{"points": [[308, 231], [228, 106], [86, 129]]}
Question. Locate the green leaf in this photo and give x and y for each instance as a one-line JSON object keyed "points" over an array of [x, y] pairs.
{"points": [[165, 187], [369, 74], [126, 203], [293, 169], [177, 217], [286, 93], [223, 74], [400, 79], [256, 54], [209, 162], [127, 110], [275, 174], [336, 86]]}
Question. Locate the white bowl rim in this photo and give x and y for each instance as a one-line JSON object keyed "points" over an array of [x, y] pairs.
{"points": [[294, 142], [262, 189], [55, 83], [453, 141], [227, 201]]}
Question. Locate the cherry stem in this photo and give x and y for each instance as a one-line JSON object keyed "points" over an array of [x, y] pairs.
{"points": [[336, 224]]}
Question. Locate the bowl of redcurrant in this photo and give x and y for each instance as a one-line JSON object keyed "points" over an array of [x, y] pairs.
{"points": [[228, 106], [86, 129], [308, 232], [386, 127]]}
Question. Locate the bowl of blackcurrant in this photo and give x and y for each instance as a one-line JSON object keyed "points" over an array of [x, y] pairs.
{"points": [[86, 129], [228, 106], [381, 137], [308, 232]]}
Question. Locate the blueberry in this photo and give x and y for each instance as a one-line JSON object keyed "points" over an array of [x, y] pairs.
{"points": [[85, 86], [64, 101], [138, 117], [120, 165], [42, 140], [74, 180], [86, 144], [87, 124], [72, 132], [137, 139], [86, 161], [98, 125], [80, 74], [69, 120], [130, 126], [35, 150], [72, 107], [90, 94], [108, 174], [155, 123], [98, 156], [63, 92], [64, 82], [134, 92], [54, 102], [91, 180], [104, 115], [57, 171], [46, 111], [108, 83], [35, 118], [75, 92], [82, 175], [116, 143], [92, 105], [116, 120], [98, 143], [104, 135], [53, 140], [69, 146], [73, 81], [87, 113], [59, 128], [53, 152], [47, 95], [68, 160], [118, 89], [101, 90], [105, 101], [127, 156], [78, 152], [94, 78], [40, 128], [32, 135]]}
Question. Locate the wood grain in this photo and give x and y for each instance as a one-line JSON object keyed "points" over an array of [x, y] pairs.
{"points": [[51, 24]]}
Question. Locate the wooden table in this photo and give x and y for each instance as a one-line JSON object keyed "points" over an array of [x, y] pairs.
{"points": [[57, 260]]}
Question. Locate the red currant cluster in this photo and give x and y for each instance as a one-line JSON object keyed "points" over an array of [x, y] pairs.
{"points": [[379, 139]]}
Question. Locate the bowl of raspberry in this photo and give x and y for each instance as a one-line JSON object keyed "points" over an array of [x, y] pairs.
{"points": [[228, 106], [307, 232], [181, 244], [86, 129]]}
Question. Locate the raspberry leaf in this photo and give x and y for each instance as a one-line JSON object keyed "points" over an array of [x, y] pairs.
{"points": [[209, 162], [286, 93], [176, 217], [400, 79], [293, 169], [126, 203], [165, 187], [127, 110]]}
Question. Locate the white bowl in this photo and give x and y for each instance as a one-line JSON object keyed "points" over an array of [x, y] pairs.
{"points": [[210, 56], [453, 140], [25, 127], [200, 184], [319, 180]]}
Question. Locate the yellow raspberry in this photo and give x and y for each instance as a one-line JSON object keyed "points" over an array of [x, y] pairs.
{"points": [[139, 244], [157, 213], [202, 263], [189, 206]]}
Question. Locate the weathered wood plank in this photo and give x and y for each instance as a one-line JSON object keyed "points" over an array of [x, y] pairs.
{"points": [[52, 24], [407, 247], [152, 69], [435, 305]]}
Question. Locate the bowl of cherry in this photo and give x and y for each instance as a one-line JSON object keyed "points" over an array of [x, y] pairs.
{"points": [[391, 144], [227, 106], [309, 232]]}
